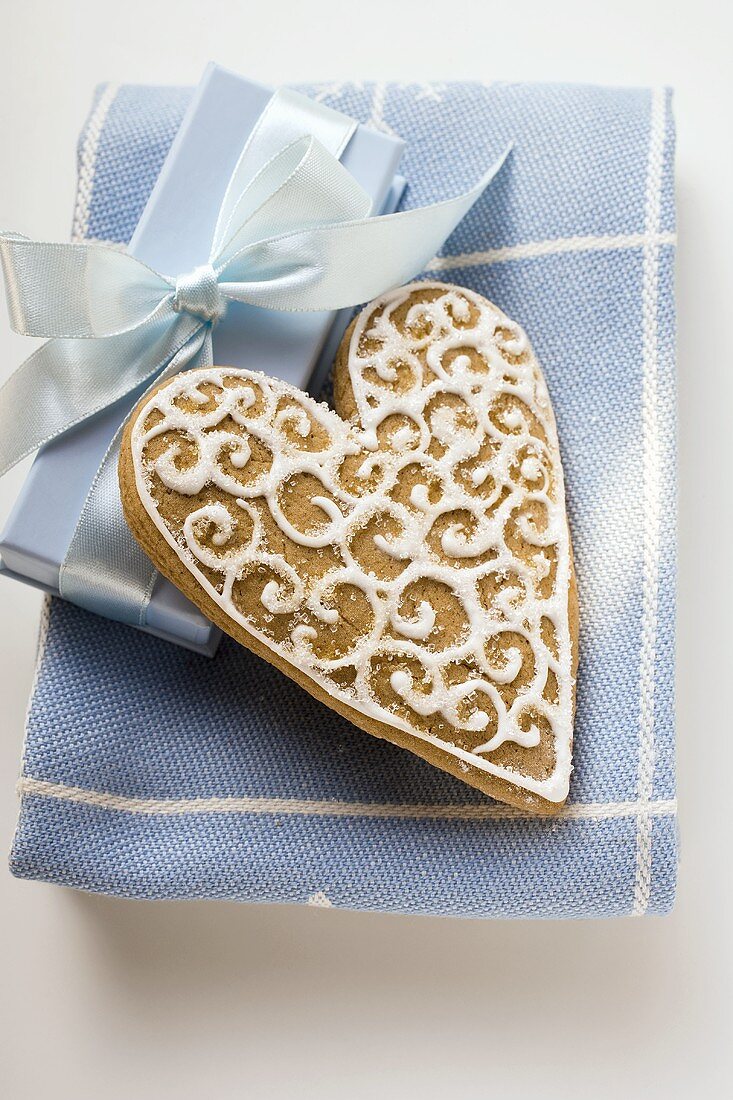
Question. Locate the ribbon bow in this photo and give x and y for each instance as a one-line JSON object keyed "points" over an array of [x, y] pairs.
{"points": [[293, 233]]}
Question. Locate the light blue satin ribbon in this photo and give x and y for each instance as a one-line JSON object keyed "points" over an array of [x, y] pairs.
{"points": [[293, 233]]}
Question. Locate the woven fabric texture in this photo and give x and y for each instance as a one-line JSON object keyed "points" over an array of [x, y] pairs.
{"points": [[151, 772]]}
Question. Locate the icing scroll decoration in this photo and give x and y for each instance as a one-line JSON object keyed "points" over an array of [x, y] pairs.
{"points": [[412, 558]]}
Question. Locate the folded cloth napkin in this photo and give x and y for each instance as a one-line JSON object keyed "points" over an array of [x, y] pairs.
{"points": [[150, 772]]}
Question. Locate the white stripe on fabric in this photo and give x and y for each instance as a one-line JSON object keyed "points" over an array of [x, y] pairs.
{"points": [[42, 638], [651, 499], [555, 246], [489, 811], [376, 120], [88, 162]]}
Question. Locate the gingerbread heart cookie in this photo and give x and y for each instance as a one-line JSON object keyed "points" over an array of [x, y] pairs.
{"points": [[406, 558]]}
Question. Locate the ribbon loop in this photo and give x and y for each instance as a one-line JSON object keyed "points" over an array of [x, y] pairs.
{"points": [[198, 293]]}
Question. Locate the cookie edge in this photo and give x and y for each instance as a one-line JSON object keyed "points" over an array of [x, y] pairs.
{"points": [[163, 557]]}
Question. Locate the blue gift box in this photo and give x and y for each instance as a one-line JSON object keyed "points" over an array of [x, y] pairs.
{"points": [[173, 235]]}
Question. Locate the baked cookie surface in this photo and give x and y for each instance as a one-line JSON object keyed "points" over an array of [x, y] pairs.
{"points": [[405, 558]]}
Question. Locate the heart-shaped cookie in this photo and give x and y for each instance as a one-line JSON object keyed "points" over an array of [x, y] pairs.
{"points": [[406, 558]]}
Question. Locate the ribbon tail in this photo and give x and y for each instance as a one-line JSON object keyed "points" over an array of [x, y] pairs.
{"points": [[67, 381], [105, 570], [336, 265]]}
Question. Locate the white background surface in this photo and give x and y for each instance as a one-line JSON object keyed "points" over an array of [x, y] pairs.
{"points": [[118, 999]]}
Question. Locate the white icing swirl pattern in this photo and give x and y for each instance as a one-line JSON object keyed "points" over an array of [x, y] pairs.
{"points": [[436, 514]]}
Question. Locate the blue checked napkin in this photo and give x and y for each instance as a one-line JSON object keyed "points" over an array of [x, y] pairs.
{"points": [[150, 772]]}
